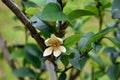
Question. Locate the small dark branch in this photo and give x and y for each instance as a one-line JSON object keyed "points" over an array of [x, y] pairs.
{"points": [[75, 75], [98, 5], [62, 29], [12, 6], [66, 69], [6, 54]]}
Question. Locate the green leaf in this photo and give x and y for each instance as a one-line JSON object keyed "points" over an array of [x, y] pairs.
{"points": [[24, 72], [31, 10], [17, 53], [62, 76], [113, 72], [64, 60], [52, 12], [32, 54], [97, 59], [40, 25], [79, 13], [78, 63], [28, 4], [115, 41], [72, 40], [96, 47], [83, 43], [91, 6], [40, 3], [100, 34], [109, 50], [116, 9], [76, 52]]}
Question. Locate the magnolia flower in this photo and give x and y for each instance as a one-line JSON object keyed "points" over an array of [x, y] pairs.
{"points": [[55, 46]]}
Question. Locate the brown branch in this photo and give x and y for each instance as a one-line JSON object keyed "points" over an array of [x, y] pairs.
{"points": [[14, 8], [6, 53]]}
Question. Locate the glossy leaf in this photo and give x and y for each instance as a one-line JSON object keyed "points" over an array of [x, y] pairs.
{"points": [[32, 54], [72, 40], [78, 63], [52, 12], [24, 72], [116, 9], [39, 24], [79, 13]]}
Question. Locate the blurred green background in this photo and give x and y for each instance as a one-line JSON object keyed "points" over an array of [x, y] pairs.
{"points": [[13, 36]]}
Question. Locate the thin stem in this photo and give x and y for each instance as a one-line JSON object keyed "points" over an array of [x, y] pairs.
{"points": [[99, 4]]}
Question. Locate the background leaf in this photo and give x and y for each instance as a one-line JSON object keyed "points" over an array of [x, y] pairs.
{"points": [[17, 53], [83, 43], [33, 54], [24, 72], [114, 69], [79, 13], [78, 63], [116, 9]]}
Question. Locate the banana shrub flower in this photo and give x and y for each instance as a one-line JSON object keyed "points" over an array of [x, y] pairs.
{"points": [[54, 46]]}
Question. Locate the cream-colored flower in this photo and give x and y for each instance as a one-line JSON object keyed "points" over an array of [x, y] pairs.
{"points": [[55, 46]]}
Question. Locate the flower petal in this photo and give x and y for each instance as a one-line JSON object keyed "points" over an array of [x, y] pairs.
{"points": [[46, 42], [61, 41], [53, 36], [48, 51], [62, 48], [56, 52]]}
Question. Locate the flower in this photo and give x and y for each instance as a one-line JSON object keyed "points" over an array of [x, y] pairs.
{"points": [[55, 46]]}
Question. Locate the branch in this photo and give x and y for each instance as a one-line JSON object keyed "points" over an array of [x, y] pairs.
{"points": [[6, 53], [15, 9]]}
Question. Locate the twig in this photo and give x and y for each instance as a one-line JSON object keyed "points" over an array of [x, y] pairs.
{"points": [[12, 6], [99, 4], [6, 53], [75, 75]]}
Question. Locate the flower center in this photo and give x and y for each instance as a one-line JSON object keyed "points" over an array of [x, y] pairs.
{"points": [[54, 43]]}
